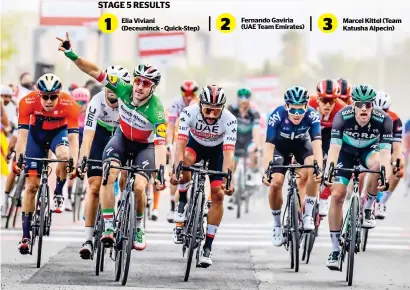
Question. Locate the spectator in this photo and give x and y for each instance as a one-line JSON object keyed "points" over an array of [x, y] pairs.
{"points": [[90, 84], [26, 86], [95, 90], [72, 87], [10, 108]]}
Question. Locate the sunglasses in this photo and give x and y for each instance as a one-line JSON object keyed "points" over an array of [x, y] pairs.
{"points": [[244, 97], [296, 112], [328, 100], [189, 94], [361, 104], [209, 110], [51, 97], [145, 83]]}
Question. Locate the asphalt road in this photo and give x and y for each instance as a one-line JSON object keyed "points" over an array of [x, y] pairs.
{"points": [[242, 253]]}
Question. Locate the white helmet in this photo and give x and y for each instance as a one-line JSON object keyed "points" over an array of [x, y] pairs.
{"points": [[382, 101], [6, 91], [149, 72], [212, 95], [49, 83], [119, 71]]}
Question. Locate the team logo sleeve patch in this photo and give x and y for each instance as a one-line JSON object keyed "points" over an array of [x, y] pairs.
{"points": [[160, 130], [113, 80]]}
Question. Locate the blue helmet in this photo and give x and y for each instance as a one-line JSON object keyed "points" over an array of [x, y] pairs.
{"points": [[296, 95]]}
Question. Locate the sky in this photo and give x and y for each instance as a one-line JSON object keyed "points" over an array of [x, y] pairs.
{"points": [[252, 47]]}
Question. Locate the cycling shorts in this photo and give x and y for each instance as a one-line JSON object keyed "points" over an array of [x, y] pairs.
{"points": [[101, 138], [241, 149], [350, 158], [120, 148], [80, 136], [214, 156], [39, 144], [283, 149]]}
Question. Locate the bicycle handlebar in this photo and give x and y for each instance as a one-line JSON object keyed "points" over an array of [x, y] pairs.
{"points": [[134, 169], [202, 171], [84, 164], [315, 166], [46, 160]]}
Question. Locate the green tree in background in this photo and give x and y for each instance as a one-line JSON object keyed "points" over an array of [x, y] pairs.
{"points": [[7, 49]]}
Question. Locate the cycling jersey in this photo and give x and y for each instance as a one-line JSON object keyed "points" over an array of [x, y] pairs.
{"points": [[142, 124], [407, 136], [175, 109], [99, 112], [407, 127], [245, 125], [223, 131], [347, 132], [32, 114], [280, 128], [397, 126], [326, 121]]}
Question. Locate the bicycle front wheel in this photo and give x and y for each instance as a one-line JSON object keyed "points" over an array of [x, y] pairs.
{"points": [[97, 244], [42, 198], [127, 229], [295, 230], [352, 238]]}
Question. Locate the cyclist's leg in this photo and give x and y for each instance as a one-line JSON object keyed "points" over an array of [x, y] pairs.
{"points": [[370, 158], [280, 157], [303, 153], [32, 170], [59, 146], [115, 152], [335, 216], [172, 189], [156, 194]]}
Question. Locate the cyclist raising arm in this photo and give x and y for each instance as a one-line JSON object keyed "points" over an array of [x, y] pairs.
{"points": [[142, 126], [359, 131]]}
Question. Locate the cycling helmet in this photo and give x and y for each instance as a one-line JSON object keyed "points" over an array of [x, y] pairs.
{"points": [[345, 90], [149, 72], [49, 84], [6, 91], [189, 87], [73, 86], [363, 93], [212, 95], [81, 95], [296, 96], [328, 89], [244, 92], [119, 71], [382, 101]]}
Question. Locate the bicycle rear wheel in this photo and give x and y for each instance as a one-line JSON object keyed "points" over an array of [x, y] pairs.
{"points": [[97, 244], [352, 238], [193, 220], [16, 201], [127, 229], [295, 230], [365, 234], [43, 193]]}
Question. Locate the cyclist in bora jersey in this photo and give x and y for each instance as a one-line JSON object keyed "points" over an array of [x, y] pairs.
{"points": [[82, 97], [207, 131], [293, 128], [48, 120], [142, 125], [364, 133], [189, 91], [327, 104], [383, 101], [248, 136], [101, 121]]}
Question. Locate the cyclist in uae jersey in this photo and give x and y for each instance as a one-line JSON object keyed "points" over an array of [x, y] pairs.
{"points": [[383, 101], [360, 134], [48, 120], [189, 91], [142, 125], [327, 104], [248, 136], [206, 132], [101, 121], [82, 97], [293, 128]]}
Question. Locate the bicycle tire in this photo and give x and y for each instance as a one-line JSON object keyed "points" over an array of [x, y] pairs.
{"points": [[305, 246], [118, 269], [128, 229], [365, 233], [118, 250], [352, 239], [10, 213], [42, 198], [314, 233], [77, 199], [295, 232], [192, 242], [98, 245], [15, 201]]}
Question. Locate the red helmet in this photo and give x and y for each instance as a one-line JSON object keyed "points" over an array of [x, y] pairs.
{"points": [[189, 88], [345, 90], [328, 89]]}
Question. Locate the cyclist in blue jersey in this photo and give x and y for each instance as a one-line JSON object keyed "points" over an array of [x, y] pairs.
{"points": [[360, 134], [293, 128]]}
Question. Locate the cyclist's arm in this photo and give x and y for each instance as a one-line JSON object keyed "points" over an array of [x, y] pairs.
{"points": [[88, 67], [396, 144], [336, 140], [91, 118], [25, 110], [386, 134], [316, 137], [72, 126], [256, 131], [183, 133], [269, 148], [159, 136], [21, 141], [229, 143]]}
